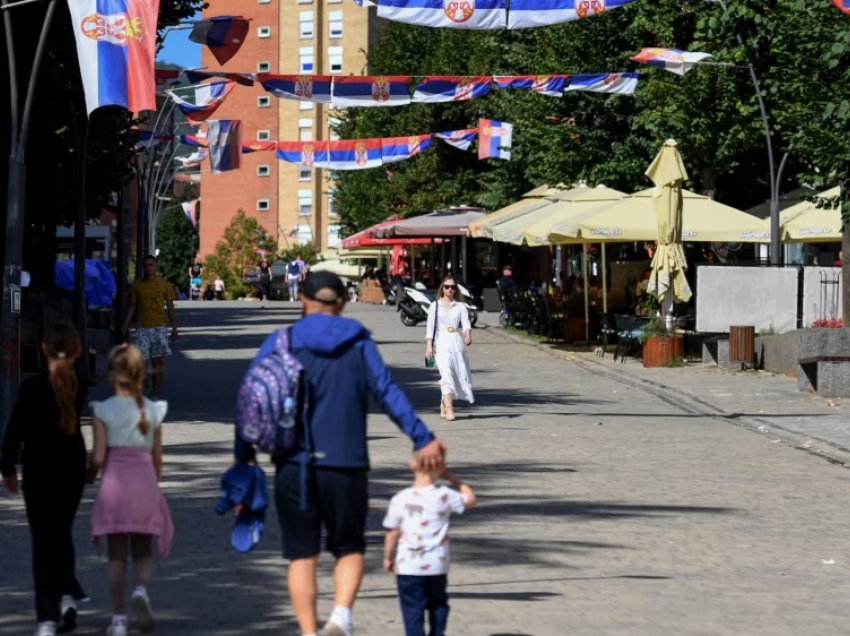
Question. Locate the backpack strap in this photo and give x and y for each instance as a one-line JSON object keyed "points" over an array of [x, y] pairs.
{"points": [[302, 410]]}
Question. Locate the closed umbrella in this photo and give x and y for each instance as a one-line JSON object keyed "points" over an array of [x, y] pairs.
{"points": [[667, 279]]}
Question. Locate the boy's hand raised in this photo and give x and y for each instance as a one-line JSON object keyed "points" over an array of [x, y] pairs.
{"points": [[432, 456]]}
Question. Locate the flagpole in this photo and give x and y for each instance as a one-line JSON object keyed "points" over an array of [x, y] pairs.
{"points": [[10, 324]]}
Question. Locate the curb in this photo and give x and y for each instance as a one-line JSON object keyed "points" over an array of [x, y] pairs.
{"points": [[693, 405]]}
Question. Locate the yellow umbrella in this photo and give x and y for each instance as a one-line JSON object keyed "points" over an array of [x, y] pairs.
{"points": [[531, 200], [667, 279], [806, 223]]}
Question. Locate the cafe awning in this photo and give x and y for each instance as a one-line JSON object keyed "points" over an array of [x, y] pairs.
{"points": [[531, 200], [442, 223], [807, 223], [368, 237]]}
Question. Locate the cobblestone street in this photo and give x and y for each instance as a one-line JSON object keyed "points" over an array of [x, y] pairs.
{"points": [[604, 510]]}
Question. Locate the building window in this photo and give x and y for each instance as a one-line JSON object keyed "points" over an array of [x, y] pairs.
{"points": [[334, 135], [334, 239], [305, 234], [264, 171], [264, 1], [305, 130], [335, 59], [304, 1], [334, 1], [304, 173], [305, 105], [332, 213], [264, 135], [305, 57], [335, 24], [264, 32], [305, 202], [264, 67], [263, 205], [264, 102], [305, 24]]}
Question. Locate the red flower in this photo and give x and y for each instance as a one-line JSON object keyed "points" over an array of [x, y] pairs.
{"points": [[828, 323]]}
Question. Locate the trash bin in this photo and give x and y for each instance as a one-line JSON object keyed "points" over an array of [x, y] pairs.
{"points": [[742, 345]]}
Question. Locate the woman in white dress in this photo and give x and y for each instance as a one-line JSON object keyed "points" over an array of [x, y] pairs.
{"points": [[447, 337]]}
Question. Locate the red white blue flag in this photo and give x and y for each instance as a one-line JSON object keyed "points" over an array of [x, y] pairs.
{"points": [[194, 141], [355, 154], [537, 13], [223, 35], [190, 209], [196, 77], [304, 153], [395, 149], [495, 139], [195, 159], [843, 5], [208, 98], [455, 14], [460, 139], [551, 85], [225, 138], [617, 83], [447, 88], [379, 90], [116, 44], [673, 60], [168, 79], [304, 88], [258, 146]]}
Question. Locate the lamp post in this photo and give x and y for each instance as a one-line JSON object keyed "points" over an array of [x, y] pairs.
{"points": [[775, 243], [10, 323]]}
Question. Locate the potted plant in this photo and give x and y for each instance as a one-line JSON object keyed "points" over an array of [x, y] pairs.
{"points": [[661, 348]]}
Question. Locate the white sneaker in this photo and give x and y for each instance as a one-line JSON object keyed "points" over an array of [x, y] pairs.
{"points": [[117, 629], [46, 629], [142, 609], [335, 629], [68, 612]]}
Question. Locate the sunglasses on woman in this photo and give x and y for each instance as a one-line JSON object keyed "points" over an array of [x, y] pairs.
{"points": [[449, 286]]}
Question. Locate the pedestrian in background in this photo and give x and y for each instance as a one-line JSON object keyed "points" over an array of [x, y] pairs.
{"points": [[45, 421], [417, 546], [130, 509], [448, 334]]}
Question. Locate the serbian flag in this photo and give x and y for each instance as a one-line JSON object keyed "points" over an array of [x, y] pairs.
{"points": [[190, 209], [843, 5], [460, 139], [304, 88], [258, 146], [116, 44], [455, 14], [380, 90], [225, 138], [148, 139], [395, 149], [673, 60], [167, 79], [195, 141], [208, 98], [195, 159], [618, 83], [223, 35], [355, 154], [451, 88], [537, 13], [494, 139], [304, 153], [551, 85], [196, 77]]}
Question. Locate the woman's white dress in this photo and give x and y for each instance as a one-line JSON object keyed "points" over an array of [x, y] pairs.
{"points": [[450, 349]]}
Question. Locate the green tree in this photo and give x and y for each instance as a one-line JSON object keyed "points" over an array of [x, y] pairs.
{"points": [[237, 254], [308, 253], [178, 243]]}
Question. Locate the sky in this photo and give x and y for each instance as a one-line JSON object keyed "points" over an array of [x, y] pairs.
{"points": [[179, 50]]}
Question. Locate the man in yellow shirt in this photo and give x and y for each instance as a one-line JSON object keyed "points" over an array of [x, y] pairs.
{"points": [[149, 300]]}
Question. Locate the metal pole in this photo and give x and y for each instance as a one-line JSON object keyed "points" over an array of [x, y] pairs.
{"points": [[604, 280], [775, 247], [584, 288], [121, 261], [81, 305], [10, 323]]}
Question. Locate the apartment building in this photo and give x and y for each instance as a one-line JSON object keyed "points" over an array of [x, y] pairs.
{"points": [[287, 37]]}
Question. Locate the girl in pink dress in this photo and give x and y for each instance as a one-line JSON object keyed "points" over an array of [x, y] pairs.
{"points": [[130, 509]]}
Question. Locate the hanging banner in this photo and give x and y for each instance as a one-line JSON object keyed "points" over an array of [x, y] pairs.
{"points": [[304, 153], [243, 79], [536, 13], [304, 88], [356, 154], [395, 149], [223, 35], [460, 139], [455, 14], [615, 83], [225, 139], [379, 90], [208, 97], [495, 139], [436, 89], [551, 85], [673, 60]]}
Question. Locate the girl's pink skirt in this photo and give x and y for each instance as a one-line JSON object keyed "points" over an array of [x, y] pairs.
{"points": [[129, 500]]}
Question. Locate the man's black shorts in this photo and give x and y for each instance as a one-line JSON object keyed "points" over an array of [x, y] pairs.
{"points": [[337, 499]]}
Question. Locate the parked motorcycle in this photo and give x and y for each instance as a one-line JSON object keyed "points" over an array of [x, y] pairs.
{"points": [[414, 305]]}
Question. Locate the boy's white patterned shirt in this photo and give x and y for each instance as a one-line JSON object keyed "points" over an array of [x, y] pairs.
{"points": [[422, 515]]}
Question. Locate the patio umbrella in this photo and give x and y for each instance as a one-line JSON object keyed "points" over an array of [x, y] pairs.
{"points": [[442, 223], [667, 279], [807, 223], [533, 199]]}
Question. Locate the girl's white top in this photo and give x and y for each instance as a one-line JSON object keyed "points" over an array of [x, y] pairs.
{"points": [[455, 316], [121, 416]]}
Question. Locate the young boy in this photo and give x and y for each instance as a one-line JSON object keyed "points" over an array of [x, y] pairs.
{"points": [[417, 547]]}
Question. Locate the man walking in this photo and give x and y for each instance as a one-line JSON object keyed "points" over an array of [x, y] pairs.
{"points": [[293, 278], [342, 368], [150, 299]]}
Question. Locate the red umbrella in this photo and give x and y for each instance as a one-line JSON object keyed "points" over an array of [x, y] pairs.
{"points": [[366, 238]]}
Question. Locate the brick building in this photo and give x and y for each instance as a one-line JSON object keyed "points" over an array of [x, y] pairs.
{"points": [[287, 37]]}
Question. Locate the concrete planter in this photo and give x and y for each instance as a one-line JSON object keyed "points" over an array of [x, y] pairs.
{"points": [[660, 351]]}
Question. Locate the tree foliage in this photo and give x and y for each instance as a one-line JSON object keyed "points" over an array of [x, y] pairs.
{"points": [[307, 252], [178, 243], [237, 254]]}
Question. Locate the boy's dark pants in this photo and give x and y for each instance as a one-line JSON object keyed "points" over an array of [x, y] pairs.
{"points": [[418, 594]]}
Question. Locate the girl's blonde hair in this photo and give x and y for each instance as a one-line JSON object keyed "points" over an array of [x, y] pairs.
{"points": [[457, 296], [128, 370], [62, 344]]}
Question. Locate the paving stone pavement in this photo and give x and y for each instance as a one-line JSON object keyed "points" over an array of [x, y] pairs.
{"points": [[605, 509]]}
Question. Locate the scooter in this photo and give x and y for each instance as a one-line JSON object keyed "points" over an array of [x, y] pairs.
{"points": [[413, 307], [195, 289]]}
